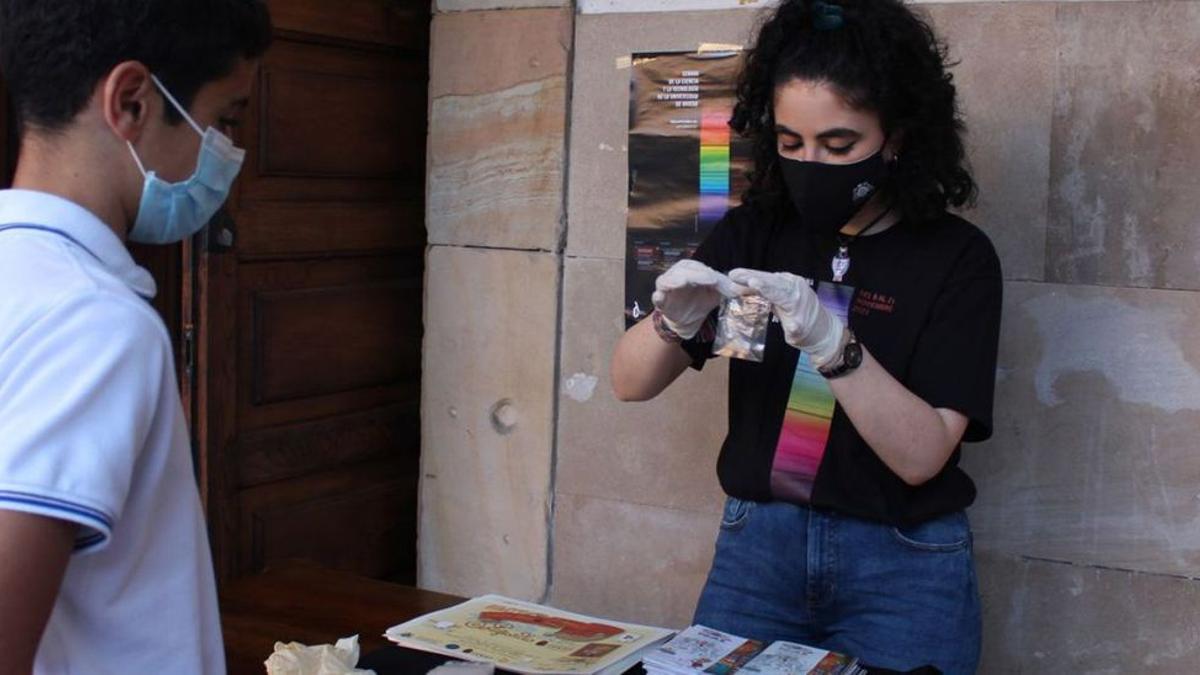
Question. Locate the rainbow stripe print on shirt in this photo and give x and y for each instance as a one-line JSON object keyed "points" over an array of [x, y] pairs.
{"points": [[809, 415], [714, 163]]}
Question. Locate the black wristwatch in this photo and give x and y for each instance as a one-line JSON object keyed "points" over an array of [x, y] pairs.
{"points": [[852, 358]]}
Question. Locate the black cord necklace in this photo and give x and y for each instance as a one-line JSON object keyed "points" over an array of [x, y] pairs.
{"points": [[841, 259]]}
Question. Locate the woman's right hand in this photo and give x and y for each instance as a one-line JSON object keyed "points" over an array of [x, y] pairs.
{"points": [[688, 292]]}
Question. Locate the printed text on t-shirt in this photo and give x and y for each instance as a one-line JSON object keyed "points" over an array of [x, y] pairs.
{"points": [[866, 302]]}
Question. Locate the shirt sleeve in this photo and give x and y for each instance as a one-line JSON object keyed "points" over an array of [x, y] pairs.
{"points": [[78, 391], [954, 366], [717, 251]]}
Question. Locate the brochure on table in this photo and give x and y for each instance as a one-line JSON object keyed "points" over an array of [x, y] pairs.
{"points": [[527, 638]]}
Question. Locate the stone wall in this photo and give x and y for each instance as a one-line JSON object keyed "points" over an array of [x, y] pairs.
{"points": [[497, 152], [1083, 133], [1086, 523]]}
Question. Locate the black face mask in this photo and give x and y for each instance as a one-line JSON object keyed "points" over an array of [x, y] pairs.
{"points": [[827, 196]]}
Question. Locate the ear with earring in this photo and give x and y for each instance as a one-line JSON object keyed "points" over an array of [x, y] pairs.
{"points": [[891, 149]]}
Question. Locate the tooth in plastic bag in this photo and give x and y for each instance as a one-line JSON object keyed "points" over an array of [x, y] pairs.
{"points": [[742, 328]]}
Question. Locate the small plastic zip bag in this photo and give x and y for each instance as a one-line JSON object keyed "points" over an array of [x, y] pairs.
{"points": [[742, 328]]}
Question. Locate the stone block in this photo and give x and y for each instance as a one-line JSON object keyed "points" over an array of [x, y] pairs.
{"points": [[495, 168], [1124, 203], [475, 53], [497, 129], [628, 561], [599, 163], [662, 452], [487, 421], [1006, 89], [1049, 617], [1097, 405]]}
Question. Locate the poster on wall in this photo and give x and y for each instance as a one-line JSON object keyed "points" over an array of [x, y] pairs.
{"points": [[686, 167], [628, 6]]}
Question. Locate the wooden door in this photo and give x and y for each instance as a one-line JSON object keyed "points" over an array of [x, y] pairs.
{"points": [[7, 138], [309, 297]]}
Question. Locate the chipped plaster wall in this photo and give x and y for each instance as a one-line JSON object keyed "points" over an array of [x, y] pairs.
{"points": [[1083, 133]]}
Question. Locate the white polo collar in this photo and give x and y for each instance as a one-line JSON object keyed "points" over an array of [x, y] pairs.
{"points": [[80, 227]]}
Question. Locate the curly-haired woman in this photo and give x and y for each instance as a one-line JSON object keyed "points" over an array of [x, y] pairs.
{"points": [[844, 526]]}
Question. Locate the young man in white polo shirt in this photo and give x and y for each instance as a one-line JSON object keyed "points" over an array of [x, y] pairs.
{"points": [[124, 108]]}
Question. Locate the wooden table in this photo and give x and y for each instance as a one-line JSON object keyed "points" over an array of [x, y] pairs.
{"points": [[303, 603]]}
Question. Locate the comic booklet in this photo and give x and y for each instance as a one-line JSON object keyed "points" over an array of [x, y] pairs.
{"points": [[527, 638], [700, 650], [789, 658]]}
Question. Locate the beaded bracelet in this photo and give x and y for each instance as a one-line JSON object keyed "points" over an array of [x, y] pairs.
{"points": [[664, 331]]}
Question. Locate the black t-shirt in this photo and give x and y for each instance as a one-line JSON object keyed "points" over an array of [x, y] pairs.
{"points": [[924, 298]]}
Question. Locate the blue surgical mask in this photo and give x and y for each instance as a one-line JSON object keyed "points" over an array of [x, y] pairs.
{"points": [[172, 212]]}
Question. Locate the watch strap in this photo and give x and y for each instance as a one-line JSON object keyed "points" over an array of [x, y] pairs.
{"points": [[848, 360]]}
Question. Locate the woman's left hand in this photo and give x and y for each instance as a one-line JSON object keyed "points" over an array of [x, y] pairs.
{"points": [[806, 324]]}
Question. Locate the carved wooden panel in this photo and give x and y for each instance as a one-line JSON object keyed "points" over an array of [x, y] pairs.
{"points": [[346, 519], [323, 341], [326, 337], [328, 125], [274, 229], [337, 123], [280, 453]]}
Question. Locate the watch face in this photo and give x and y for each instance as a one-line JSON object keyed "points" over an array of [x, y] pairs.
{"points": [[853, 356]]}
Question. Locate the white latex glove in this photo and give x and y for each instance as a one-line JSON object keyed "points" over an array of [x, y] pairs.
{"points": [[806, 324], [688, 292]]}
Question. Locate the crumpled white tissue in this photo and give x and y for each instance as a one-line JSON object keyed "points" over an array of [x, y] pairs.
{"points": [[294, 658]]}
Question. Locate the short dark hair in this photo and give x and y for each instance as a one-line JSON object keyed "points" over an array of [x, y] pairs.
{"points": [[880, 56], [54, 52]]}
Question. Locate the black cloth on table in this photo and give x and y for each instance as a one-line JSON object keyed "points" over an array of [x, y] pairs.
{"points": [[400, 661]]}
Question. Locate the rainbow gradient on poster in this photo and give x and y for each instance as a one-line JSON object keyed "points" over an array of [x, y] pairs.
{"points": [[715, 138], [809, 415]]}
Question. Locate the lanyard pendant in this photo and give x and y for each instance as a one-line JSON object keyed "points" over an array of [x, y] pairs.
{"points": [[841, 264]]}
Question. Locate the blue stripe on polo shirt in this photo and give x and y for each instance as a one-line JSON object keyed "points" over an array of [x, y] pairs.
{"points": [[90, 541], [77, 510], [52, 230], [68, 237]]}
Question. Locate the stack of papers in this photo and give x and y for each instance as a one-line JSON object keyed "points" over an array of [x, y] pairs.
{"points": [[704, 650], [701, 650]]}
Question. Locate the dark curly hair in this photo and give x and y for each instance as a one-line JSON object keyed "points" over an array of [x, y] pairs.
{"points": [[53, 53], [879, 56]]}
